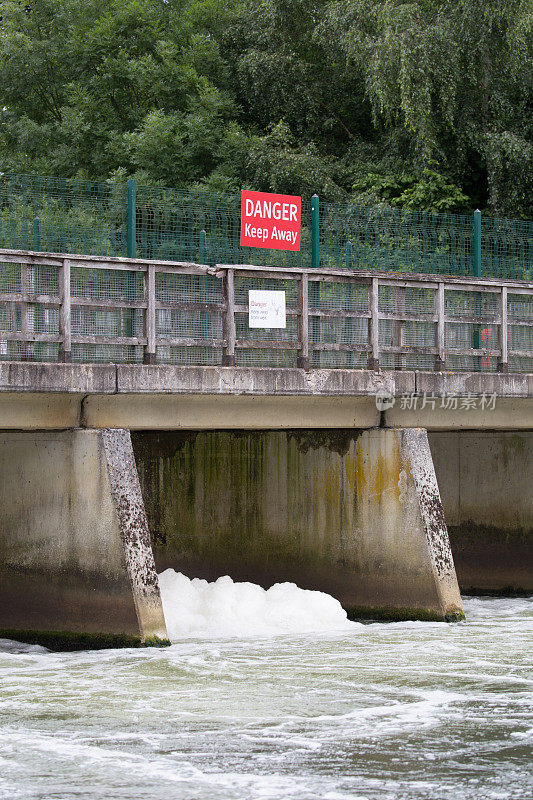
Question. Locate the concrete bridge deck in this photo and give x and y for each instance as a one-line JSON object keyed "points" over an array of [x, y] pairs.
{"points": [[59, 396]]}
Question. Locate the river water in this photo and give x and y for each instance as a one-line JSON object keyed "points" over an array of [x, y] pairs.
{"points": [[401, 710]]}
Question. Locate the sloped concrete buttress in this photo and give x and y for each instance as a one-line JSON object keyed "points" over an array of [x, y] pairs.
{"points": [[75, 553], [401, 522], [133, 525]]}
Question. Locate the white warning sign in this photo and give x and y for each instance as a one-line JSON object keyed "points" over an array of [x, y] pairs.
{"points": [[266, 309]]}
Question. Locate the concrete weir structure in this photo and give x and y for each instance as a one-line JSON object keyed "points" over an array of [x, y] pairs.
{"points": [[75, 555], [263, 473], [356, 514]]}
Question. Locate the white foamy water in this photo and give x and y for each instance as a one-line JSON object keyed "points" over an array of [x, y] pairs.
{"points": [[197, 608], [402, 711]]}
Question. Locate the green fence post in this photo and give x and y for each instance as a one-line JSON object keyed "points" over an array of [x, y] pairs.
{"points": [[477, 274], [314, 286], [203, 247], [315, 232], [131, 242], [37, 234], [131, 250], [348, 255], [477, 243]]}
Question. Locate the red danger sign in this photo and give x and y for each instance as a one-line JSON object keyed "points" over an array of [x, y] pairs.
{"points": [[270, 220]]}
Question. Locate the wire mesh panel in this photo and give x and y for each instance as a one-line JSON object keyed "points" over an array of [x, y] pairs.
{"points": [[520, 332], [480, 329], [173, 286], [201, 322], [243, 284], [73, 216], [106, 354], [107, 284], [342, 298], [389, 240], [260, 354], [263, 357], [507, 248], [170, 225]]}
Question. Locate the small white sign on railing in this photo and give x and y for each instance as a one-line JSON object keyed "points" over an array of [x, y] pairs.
{"points": [[266, 309]]}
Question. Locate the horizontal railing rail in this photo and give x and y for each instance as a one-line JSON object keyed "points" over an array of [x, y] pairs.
{"points": [[63, 307]]}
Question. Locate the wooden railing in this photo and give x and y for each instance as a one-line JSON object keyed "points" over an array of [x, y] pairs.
{"points": [[335, 317]]}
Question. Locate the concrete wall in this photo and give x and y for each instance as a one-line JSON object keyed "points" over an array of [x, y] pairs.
{"points": [[36, 396], [486, 483], [355, 514], [75, 552]]}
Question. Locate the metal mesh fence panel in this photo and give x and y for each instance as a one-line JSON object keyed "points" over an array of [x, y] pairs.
{"points": [[507, 248], [338, 359], [170, 223], [170, 286], [200, 356], [188, 324], [107, 284], [390, 240], [73, 216], [338, 296], [244, 284], [262, 357], [107, 354]]}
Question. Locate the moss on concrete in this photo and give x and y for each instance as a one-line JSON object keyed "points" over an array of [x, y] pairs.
{"points": [[66, 641]]}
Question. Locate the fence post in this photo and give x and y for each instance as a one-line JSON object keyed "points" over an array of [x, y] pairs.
{"points": [[37, 234], [65, 323], [228, 359], [302, 360], [373, 298], [131, 250], [315, 232], [440, 308], [27, 286], [203, 247], [477, 243], [503, 364], [477, 274], [131, 221], [348, 255], [149, 356]]}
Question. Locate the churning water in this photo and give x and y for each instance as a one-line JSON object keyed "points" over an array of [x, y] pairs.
{"points": [[389, 711]]}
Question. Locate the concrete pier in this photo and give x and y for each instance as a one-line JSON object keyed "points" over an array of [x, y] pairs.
{"points": [[356, 514], [75, 554]]}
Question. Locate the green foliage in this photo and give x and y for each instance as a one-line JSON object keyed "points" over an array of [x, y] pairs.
{"points": [[284, 95]]}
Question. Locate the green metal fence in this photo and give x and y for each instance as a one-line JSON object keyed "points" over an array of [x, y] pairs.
{"points": [[105, 218]]}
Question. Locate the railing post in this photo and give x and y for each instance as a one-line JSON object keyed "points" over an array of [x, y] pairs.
{"points": [[149, 355], [373, 298], [440, 358], [65, 320], [203, 247], [315, 232], [503, 364], [27, 312], [477, 274], [131, 249], [228, 358], [303, 322], [477, 243], [399, 328]]}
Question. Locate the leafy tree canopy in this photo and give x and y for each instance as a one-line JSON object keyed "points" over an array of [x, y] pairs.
{"points": [[420, 104]]}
